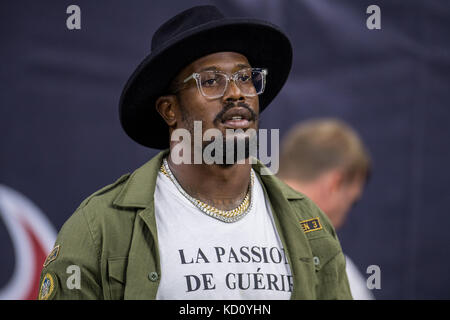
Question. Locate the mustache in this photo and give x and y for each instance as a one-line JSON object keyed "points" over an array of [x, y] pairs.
{"points": [[229, 105]]}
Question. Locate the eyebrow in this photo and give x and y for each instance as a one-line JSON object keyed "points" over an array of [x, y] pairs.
{"points": [[214, 68], [242, 66], [211, 68]]}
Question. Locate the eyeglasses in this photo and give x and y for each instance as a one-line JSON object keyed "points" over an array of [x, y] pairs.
{"points": [[213, 84]]}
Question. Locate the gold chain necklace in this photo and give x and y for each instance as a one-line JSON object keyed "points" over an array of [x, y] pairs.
{"points": [[222, 215]]}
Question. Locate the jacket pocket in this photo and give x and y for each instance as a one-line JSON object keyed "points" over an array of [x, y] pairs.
{"points": [[324, 249], [117, 274], [329, 263]]}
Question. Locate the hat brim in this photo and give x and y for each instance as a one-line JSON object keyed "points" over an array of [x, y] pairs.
{"points": [[263, 44]]}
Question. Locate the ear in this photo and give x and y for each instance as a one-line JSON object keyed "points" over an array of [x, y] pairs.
{"points": [[334, 180], [166, 107]]}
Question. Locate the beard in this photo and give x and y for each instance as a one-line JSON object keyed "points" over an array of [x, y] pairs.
{"points": [[231, 147], [234, 148]]}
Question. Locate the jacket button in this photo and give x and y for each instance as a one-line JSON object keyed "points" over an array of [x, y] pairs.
{"points": [[153, 276], [316, 261]]}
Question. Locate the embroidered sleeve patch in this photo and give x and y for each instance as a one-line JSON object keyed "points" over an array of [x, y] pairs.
{"points": [[311, 225], [52, 256], [48, 286]]}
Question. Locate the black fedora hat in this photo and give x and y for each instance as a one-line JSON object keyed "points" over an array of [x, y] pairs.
{"points": [[188, 36]]}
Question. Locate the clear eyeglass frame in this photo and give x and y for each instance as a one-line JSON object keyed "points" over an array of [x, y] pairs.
{"points": [[234, 77]]}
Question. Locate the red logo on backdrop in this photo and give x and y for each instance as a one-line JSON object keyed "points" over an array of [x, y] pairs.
{"points": [[33, 237]]}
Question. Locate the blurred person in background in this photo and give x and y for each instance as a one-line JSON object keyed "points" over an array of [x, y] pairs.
{"points": [[326, 160]]}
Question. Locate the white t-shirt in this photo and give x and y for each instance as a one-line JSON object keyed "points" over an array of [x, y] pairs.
{"points": [[204, 258], [357, 282]]}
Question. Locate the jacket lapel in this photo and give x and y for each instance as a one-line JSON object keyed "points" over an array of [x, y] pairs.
{"points": [[294, 241]]}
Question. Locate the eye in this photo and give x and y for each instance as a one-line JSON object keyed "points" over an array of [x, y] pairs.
{"points": [[244, 77], [209, 82]]}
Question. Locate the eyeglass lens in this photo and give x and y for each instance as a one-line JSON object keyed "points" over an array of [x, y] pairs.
{"points": [[250, 82]]}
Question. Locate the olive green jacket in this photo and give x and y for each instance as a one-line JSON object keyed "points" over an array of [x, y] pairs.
{"points": [[108, 249]]}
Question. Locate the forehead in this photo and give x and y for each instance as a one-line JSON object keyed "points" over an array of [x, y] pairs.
{"points": [[225, 61]]}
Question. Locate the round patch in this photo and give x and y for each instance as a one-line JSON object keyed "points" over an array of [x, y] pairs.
{"points": [[48, 286]]}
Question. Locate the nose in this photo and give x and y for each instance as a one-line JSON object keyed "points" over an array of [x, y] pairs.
{"points": [[233, 93]]}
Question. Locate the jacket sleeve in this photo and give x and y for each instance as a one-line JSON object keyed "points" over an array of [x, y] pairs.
{"points": [[72, 270]]}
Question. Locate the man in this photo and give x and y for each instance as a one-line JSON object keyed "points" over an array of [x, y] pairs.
{"points": [[187, 230], [326, 160]]}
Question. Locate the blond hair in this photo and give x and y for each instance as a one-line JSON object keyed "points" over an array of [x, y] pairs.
{"points": [[313, 147]]}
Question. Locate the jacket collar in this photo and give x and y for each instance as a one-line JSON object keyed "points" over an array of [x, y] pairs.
{"points": [[272, 181], [138, 191]]}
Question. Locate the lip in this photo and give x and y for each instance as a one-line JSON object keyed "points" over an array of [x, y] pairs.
{"points": [[237, 124], [237, 118]]}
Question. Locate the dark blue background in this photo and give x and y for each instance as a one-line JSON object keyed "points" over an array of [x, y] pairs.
{"points": [[61, 139]]}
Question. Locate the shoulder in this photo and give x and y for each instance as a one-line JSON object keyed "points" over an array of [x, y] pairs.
{"points": [[81, 242], [86, 220], [106, 195], [112, 209], [95, 210]]}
